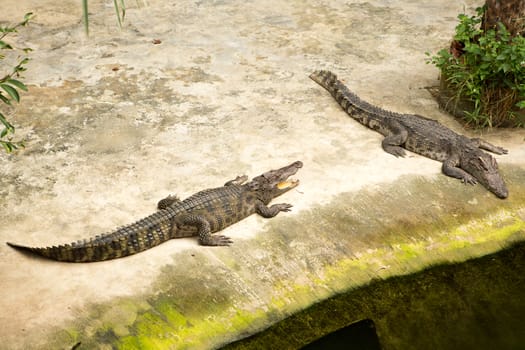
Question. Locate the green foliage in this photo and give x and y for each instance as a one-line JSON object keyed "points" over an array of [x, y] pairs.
{"points": [[490, 72], [9, 86]]}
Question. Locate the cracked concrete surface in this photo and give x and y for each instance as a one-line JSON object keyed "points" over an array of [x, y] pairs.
{"points": [[115, 121]]}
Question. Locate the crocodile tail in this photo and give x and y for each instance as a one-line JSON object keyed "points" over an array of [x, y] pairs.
{"points": [[124, 241], [358, 109], [336, 88], [83, 252], [67, 252], [326, 79]]}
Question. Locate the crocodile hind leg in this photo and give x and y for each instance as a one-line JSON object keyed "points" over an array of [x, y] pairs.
{"points": [[271, 211], [204, 231], [239, 180], [489, 146], [168, 201], [396, 135], [450, 168]]}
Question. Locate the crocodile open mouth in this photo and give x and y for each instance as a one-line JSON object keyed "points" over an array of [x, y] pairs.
{"points": [[287, 184]]}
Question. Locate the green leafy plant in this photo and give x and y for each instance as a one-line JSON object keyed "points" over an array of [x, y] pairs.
{"points": [[486, 68], [10, 83]]}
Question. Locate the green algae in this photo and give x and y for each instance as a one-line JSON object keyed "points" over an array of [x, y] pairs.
{"points": [[475, 239], [171, 330]]}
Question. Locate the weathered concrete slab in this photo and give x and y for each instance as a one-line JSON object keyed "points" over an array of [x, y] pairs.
{"points": [[115, 122]]}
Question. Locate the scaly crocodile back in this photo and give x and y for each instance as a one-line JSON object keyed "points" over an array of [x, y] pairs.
{"points": [[221, 206]]}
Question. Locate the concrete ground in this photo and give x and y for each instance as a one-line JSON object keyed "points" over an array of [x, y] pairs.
{"points": [[190, 94]]}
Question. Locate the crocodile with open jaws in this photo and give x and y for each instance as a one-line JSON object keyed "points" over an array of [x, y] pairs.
{"points": [[201, 214], [462, 157]]}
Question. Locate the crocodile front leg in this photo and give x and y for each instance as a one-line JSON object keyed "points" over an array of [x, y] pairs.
{"points": [[270, 212], [450, 168], [239, 180], [480, 143], [204, 231]]}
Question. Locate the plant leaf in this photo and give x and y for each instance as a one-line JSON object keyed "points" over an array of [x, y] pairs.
{"points": [[123, 8], [8, 146], [8, 126], [24, 61], [11, 91], [28, 16], [115, 3], [85, 16], [4, 99], [17, 84], [4, 45]]}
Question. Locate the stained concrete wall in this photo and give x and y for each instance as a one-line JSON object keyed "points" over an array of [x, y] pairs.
{"points": [[114, 122]]}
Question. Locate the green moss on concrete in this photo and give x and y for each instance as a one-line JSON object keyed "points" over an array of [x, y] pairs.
{"points": [[478, 304], [119, 316], [481, 237], [155, 329], [168, 309]]}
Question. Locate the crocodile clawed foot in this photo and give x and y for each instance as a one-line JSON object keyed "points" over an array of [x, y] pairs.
{"points": [[497, 149], [470, 180], [167, 202], [400, 153], [222, 240], [217, 240], [395, 151], [284, 206], [501, 150]]}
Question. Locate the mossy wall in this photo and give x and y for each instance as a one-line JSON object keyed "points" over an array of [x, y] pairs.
{"points": [[209, 297], [478, 304]]}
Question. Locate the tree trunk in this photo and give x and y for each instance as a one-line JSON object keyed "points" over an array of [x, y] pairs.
{"points": [[509, 12]]}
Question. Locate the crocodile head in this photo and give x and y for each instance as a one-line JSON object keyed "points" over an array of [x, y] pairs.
{"points": [[484, 168], [273, 183]]}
